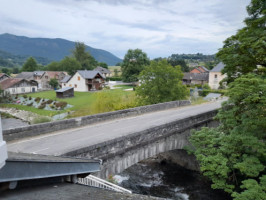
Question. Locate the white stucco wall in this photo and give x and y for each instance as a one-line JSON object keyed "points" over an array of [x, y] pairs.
{"points": [[214, 82], [3, 149], [19, 90], [81, 85]]}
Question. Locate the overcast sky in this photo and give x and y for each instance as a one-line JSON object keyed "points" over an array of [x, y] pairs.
{"points": [[158, 27]]}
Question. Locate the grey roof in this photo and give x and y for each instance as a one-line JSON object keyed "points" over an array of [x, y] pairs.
{"points": [[64, 89], [196, 76], [25, 75], [218, 68], [65, 79], [204, 68], [212, 96], [89, 74], [39, 73], [102, 70]]}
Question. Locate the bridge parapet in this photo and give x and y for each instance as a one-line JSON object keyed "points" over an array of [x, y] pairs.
{"points": [[38, 129]]}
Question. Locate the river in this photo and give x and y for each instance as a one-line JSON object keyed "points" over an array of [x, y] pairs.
{"points": [[162, 178]]}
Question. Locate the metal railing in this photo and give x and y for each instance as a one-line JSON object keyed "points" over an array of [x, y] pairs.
{"points": [[100, 183]]}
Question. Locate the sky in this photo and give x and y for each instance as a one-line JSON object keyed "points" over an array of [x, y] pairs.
{"points": [[158, 27]]}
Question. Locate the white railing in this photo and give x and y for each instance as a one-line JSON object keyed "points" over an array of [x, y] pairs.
{"points": [[100, 183]]}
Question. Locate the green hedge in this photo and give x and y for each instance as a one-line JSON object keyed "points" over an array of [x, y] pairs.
{"points": [[204, 93], [114, 79]]}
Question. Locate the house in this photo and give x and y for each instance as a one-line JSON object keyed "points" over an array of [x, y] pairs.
{"points": [[200, 69], [195, 78], [215, 76], [18, 86], [104, 71], [86, 80], [48, 75], [64, 81], [65, 92], [3, 76]]}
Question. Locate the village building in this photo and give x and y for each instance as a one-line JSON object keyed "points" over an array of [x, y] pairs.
{"points": [[195, 78], [66, 92], [18, 86], [86, 80], [3, 76], [216, 76], [64, 81], [199, 69], [26, 75], [104, 71]]}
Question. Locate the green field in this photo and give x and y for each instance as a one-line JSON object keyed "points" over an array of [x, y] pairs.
{"points": [[84, 103], [112, 69]]}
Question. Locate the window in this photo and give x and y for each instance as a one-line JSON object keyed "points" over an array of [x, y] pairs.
{"points": [[46, 77], [78, 78], [215, 76], [75, 85], [70, 85], [64, 84]]}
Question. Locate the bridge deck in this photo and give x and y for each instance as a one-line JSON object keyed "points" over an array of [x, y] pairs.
{"points": [[64, 141]]}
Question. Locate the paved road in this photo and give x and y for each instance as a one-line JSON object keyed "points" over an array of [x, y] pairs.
{"points": [[64, 141]]}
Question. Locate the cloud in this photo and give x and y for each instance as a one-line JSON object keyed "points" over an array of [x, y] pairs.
{"points": [[160, 28]]}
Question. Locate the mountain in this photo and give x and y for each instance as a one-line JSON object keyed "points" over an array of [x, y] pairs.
{"points": [[50, 49]]}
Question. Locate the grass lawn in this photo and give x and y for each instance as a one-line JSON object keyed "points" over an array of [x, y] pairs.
{"points": [[82, 102], [123, 86]]}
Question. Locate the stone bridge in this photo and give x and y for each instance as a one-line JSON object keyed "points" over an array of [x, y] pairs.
{"points": [[120, 140]]}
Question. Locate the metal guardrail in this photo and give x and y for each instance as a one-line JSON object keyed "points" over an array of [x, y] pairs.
{"points": [[100, 183]]}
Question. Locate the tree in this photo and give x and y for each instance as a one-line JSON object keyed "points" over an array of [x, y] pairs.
{"points": [[242, 52], [15, 70], [54, 83], [53, 66], [70, 65], [233, 155], [102, 64], [5, 70], [84, 58], [133, 63], [174, 61], [160, 82], [30, 65]]}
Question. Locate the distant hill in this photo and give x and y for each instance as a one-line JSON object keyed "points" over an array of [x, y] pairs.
{"points": [[49, 49]]}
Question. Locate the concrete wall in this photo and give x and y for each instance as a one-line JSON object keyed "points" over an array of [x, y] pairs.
{"points": [[121, 153], [38, 129]]}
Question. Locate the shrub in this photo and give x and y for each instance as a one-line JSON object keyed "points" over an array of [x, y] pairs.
{"points": [[49, 101], [30, 97], [37, 99], [115, 79], [42, 106], [25, 96], [30, 104], [61, 104]]}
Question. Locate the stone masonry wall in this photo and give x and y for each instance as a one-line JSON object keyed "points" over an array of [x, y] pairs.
{"points": [[38, 129]]}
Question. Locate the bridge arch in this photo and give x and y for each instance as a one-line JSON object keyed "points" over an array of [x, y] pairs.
{"points": [[121, 153]]}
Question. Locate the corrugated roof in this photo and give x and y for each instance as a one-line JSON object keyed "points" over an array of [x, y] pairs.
{"points": [[64, 89], [25, 75], [89, 74], [218, 68], [65, 79], [196, 76]]}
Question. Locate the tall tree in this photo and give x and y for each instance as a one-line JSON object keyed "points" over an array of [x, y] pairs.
{"points": [[84, 57], [243, 52], [54, 83], [133, 63], [233, 155], [160, 82], [70, 65], [30, 65], [174, 62]]}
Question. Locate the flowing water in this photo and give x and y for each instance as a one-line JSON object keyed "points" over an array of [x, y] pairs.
{"points": [[168, 180]]}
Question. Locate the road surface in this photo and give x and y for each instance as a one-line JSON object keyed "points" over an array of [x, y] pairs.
{"points": [[64, 141]]}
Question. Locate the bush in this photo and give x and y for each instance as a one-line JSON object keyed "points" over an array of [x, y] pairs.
{"points": [[30, 98], [30, 104], [25, 96], [206, 92], [115, 79], [37, 99], [42, 106], [61, 104], [49, 101]]}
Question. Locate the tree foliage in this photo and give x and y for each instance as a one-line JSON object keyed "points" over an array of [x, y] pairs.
{"points": [[245, 50], [160, 82], [30, 65], [133, 63], [84, 57], [233, 155], [172, 60], [54, 83]]}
